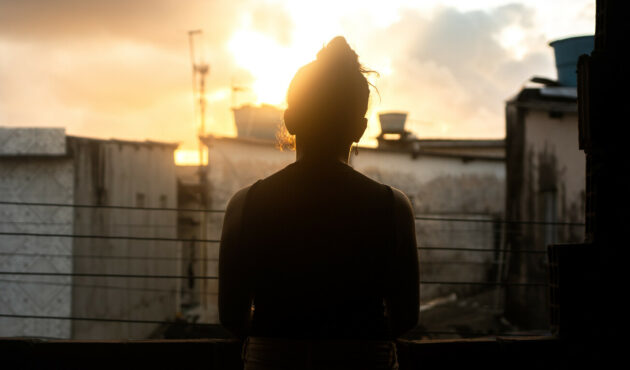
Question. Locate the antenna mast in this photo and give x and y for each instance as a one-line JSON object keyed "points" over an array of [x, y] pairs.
{"points": [[200, 70]]}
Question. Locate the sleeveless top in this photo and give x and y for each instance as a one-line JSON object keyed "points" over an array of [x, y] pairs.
{"points": [[320, 239]]}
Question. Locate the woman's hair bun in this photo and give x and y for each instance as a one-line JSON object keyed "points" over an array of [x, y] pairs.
{"points": [[339, 53]]}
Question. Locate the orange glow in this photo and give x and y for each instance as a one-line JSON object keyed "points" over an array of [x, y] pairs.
{"points": [[187, 157], [272, 65]]}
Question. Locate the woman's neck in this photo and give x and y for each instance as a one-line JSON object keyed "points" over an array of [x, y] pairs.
{"points": [[321, 154]]}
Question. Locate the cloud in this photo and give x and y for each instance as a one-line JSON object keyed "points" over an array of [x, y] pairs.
{"points": [[450, 71], [95, 66], [161, 22], [122, 68], [273, 21]]}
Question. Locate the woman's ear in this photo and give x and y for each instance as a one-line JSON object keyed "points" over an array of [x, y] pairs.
{"points": [[358, 129], [289, 120]]}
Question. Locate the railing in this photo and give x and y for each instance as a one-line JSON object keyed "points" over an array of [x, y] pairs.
{"points": [[17, 277]]}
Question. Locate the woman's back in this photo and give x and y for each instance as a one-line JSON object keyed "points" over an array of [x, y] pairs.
{"points": [[320, 244], [318, 263]]}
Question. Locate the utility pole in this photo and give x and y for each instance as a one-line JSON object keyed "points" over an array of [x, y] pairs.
{"points": [[200, 70]]}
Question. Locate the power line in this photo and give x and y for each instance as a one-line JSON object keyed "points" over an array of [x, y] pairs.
{"points": [[120, 237], [95, 286], [499, 221], [476, 334], [424, 218], [179, 259], [129, 321], [130, 276], [484, 283], [116, 237], [19, 273], [94, 256], [71, 223], [39, 204], [483, 250]]}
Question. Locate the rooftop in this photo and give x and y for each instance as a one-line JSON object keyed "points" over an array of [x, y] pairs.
{"points": [[51, 141], [556, 98], [466, 149]]}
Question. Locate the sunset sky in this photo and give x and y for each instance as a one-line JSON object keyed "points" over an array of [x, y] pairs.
{"points": [[121, 69]]}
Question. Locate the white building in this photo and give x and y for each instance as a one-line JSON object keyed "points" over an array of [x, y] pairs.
{"points": [[40, 165], [455, 179]]}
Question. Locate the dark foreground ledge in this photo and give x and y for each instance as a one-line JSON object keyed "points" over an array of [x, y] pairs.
{"points": [[484, 353]]}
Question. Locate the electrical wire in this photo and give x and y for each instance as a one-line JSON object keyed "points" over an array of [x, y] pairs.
{"points": [[424, 218], [130, 276], [115, 237], [133, 276], [99, 319]]}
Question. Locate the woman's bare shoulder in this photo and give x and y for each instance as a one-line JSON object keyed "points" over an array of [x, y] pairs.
{"points": [[238, 199], [234, 210], [402, 205]]}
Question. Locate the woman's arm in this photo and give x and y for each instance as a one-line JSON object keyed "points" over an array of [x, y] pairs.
{"points": [[403, 300], [234, 291]]}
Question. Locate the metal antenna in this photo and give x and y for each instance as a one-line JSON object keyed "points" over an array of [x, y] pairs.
{"points": [[200, 70]]}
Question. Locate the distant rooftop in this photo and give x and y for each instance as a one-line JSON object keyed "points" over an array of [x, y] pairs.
{"points": [[491, 149], [557, 98], [51, 141]]}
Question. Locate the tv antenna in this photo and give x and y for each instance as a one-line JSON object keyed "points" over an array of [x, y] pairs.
{"points": [[200, 70]]}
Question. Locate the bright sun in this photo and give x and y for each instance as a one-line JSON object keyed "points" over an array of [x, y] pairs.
{"points": [[271, 65]]}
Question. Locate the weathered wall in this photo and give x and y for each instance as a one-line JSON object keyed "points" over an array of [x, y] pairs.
{"points": [[34, 168], [554, 163], [546, 183], [451, 188], [437, 186], [126, 174], [189, 227]]}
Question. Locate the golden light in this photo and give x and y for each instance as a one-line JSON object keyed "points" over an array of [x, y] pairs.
{"points": [[188, 157], [272, 65]]}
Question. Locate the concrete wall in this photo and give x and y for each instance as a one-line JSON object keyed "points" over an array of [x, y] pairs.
{"points": [[34, 168], [546, 173], [189, 196], [126, 174], [438, 187], [554, 162], [438, 184]]}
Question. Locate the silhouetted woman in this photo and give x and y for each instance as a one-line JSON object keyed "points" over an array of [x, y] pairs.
{"points": [[318, 264]]}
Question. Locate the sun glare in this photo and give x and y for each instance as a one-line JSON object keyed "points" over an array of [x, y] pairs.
{"points": [[271, 65], [188, 157]]}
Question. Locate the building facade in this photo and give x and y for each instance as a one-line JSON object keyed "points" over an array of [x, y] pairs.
{"points": [[460, 180], [85, 179], [546, 176], [546, 181]]}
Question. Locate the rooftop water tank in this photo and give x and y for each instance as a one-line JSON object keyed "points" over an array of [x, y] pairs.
{"points": [[567, 52], [392, 122]]}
